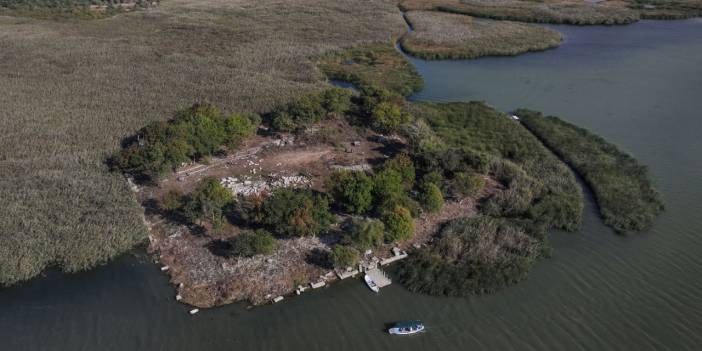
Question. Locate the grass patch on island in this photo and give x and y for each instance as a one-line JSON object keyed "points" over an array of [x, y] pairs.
{"points": [[440, 35], [378, 65], [625, 193], [537, 186], [472, 256], [536, 192]]}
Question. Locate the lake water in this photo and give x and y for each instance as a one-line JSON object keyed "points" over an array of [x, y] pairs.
{"points": [[640, 86]]}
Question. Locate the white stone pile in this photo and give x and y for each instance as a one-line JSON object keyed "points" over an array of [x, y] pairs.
{"points": [[247, 187]]}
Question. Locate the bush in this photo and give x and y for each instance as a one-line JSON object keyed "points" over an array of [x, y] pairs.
{"points": [[207, 202], [192, 134], [295, 212], [431, 197], [309, 109], [467, 184], [472, 256], [172, 201], [337, 101], [387, 117], [383, 109], [367, 233], [249, 243], [403, 165], [352, 191], [480, 139], [387, 189], [343, 256], [399, 225]]}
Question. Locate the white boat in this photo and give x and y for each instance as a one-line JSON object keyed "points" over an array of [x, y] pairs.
{"points": [[407, 328], [371, 284]]}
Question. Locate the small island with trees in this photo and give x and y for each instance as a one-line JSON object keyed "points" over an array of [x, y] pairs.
{"points": [[244, 206]]}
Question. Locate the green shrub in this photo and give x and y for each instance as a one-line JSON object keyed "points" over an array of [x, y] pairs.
{"points": [[387, 117], [295, 212], [352, 191], [431, 197], [399, 225], [343, 256], [367, 233], [383, 109], [192, 134], [472, 256], [309, 109], [337, 101], [251, 243], [172, 201], [388, 189], [467, 184], [207, 202], [480, 139], [404, 166]]}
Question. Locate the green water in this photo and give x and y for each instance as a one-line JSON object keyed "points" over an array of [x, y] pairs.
{"points": [[640, 86]]}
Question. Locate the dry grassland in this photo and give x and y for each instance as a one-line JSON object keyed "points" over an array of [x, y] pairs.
{"points": [[547, 11], [71, 90], [440, 35]]}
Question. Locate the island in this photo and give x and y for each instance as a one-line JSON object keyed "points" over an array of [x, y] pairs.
{"points": [[273, 180]]}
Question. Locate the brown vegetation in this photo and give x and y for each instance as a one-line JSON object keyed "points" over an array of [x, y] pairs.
{"points": [[578, 12], [73, 89], [438, 35], [379, 65]]}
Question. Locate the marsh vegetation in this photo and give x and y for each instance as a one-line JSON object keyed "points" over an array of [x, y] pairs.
{"points": [[376, 65], [623, 188], [61, 119], [439, 35]]}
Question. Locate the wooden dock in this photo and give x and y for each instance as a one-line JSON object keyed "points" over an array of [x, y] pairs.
{"points": [[379, 277]]}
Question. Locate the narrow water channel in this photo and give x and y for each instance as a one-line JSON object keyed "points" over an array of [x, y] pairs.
{"points": [[639, 86]]}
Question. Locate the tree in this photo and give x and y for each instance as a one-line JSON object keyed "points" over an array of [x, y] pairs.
{"points": [[249, 243], [336, 101], [387, 190], [399, 224], [207, 201], [295, 212], [238, 127], [193, 133], [367, 233], [352, 191], [431, 197], [403, 165], [386, 117], [343, 256]]}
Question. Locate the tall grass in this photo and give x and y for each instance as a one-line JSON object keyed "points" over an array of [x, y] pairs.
{"points": [[375, 65], [625, 193], [547, 11], [71, 90], [538, 186], [440, 35]]}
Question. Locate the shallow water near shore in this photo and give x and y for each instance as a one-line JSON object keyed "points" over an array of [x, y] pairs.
{"points": [[639, 86]]}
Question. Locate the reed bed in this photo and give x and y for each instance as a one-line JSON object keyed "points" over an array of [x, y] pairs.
{"points": [[547, 11], [71, 90], [440, 35]]}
